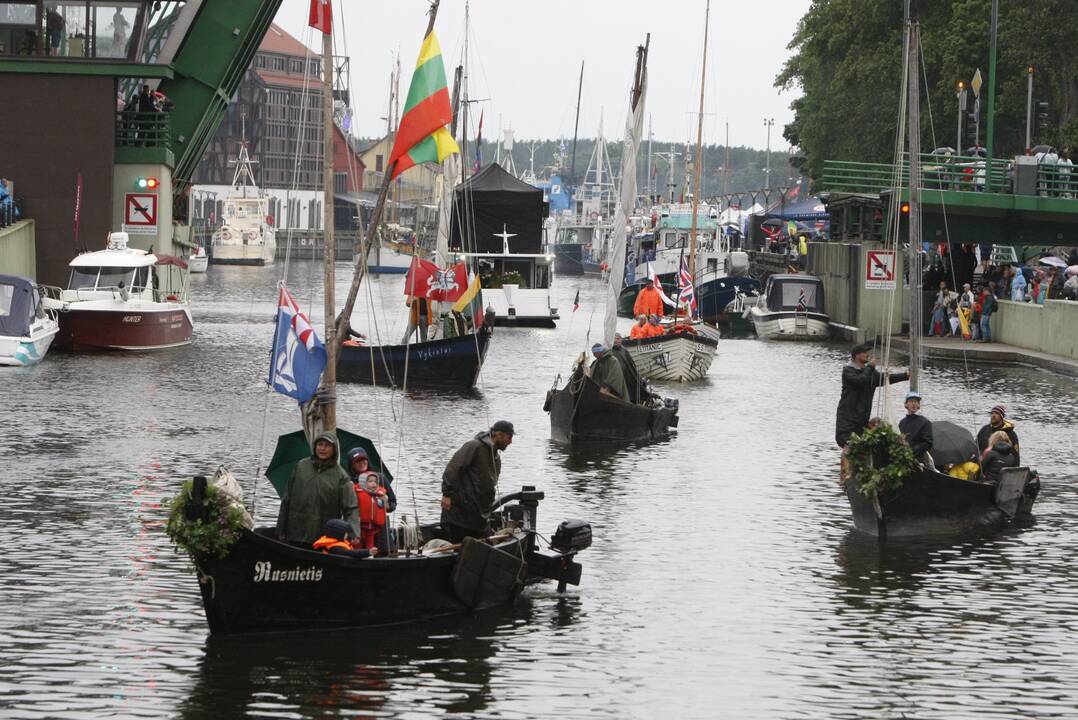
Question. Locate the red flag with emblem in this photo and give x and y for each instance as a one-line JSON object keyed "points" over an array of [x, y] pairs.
{"points": [[425, 279], [321, 17]]}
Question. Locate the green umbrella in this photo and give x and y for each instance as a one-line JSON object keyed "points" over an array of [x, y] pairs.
{"points": [[293, 447]]}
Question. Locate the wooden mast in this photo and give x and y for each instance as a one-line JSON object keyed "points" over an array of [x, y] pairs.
{"points": [[914, 256], [698, 165], [329, 375], [363, 243]]}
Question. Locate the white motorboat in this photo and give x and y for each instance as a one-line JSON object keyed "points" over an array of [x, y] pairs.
{"points": [[523, 294], [245, 237], [791, 308], [122, 298], [198, 261], [27, 328]]}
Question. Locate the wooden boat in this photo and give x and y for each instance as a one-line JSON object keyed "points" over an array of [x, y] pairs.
{"points": [[679, 356], [580, 413], [933, 503], [265, 585], [791, 308], [451, 363]]}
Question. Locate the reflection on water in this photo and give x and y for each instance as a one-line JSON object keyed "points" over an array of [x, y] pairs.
{"points": [[724, 580]]}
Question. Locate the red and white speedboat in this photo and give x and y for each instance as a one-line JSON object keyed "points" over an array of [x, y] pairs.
{"points": [[121, 298]]}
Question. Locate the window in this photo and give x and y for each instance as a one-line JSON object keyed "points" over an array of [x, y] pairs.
{"points": [[260, 61], [277, 63], [113, 29], [378, 163], [112, 277], [340, 182], [7, 293], [83, 278], [295, 66]]}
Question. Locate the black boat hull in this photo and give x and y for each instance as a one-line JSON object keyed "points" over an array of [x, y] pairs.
{"points": [[580, 414], [932, 503], [449, 363], [264, 585]]}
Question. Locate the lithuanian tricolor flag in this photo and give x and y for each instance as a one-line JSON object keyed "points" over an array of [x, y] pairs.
{"points": [[422, 136]]}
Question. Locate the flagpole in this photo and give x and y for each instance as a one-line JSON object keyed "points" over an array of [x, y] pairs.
{"points": [[372, 226], [699, 164]]}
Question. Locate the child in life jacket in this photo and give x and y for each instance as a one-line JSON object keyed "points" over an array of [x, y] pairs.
{"points": [[372, 510], [337, 540]]}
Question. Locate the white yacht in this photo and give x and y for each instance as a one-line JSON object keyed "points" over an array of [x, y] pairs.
{"points": [[245, 237], [791, 308]]}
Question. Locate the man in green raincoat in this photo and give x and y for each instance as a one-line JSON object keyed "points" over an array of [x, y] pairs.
{"points": [[318, 490], [628, 368], [607, 372]]}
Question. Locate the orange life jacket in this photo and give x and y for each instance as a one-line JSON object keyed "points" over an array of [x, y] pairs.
{"points": [[369, 511], [326, 542], [648, 302], [655, 330], [639, 331]]}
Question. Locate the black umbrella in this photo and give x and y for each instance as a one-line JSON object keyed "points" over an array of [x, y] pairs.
{"points": [[952, 444]]}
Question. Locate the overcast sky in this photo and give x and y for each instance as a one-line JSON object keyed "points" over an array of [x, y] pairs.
{"points": [[526, 55]]}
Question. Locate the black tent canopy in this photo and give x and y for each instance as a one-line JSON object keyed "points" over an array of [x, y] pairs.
{"points": [[19, 305], [491, 202]]}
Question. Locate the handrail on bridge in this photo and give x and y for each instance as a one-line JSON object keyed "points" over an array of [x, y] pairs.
{"points": [[142, 129], [938, 172]]}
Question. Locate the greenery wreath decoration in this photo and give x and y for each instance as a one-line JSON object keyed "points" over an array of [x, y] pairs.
{"points": [[207, 530], [877, 460]]}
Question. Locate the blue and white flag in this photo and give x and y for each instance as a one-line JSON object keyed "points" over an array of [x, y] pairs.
{"points": [[298, 357]]}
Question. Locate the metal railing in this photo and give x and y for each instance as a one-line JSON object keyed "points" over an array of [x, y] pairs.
{"points": [[1054, 180], [142, 129], [938, 172]]}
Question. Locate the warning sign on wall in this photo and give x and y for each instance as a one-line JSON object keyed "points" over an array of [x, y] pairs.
{"points": [[880, 270], [140, 213]]}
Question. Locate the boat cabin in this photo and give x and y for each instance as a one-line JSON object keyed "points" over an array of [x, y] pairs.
{"points": [[529, 271], [20, 306], [797, 292], [124, 272]]}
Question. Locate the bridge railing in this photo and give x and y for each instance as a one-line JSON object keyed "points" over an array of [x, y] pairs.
{"points": [[1055, 180], [938, 172], [142, 129]]}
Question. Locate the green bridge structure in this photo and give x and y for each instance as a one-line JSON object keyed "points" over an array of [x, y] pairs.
{"points": [[67, 145], [966, 200]]}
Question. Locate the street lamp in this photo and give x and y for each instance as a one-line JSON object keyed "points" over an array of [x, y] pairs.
{"points": [[768, 123]]}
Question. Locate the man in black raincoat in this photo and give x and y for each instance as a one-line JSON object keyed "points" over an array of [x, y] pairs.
{"points": [[469, 482], [859, 382]]}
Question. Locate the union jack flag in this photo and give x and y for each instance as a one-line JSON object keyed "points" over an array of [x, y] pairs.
{"points": [[686, 294]]}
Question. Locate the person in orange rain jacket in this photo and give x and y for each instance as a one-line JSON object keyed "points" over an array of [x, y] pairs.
{"points": [[372, 511], [640, 330], [336, 540], [648, 302], [655, 328]]}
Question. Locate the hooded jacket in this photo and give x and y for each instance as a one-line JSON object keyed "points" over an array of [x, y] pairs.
{"points": [[648, 302], [469, 482], [316, 492], [608, 373], [855, 406], [1000, 456], [986, 432], [628, 369]]}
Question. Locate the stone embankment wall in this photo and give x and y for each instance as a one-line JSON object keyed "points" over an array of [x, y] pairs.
{"points": [[1048, 328], [17, 250], [857, 313]]}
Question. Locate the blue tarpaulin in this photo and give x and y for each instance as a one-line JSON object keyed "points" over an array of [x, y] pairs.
{"points": [[810, 209]]}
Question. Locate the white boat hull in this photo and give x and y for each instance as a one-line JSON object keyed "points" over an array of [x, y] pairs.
{"points": [[516, 306], [789, 325], [229, 254], [29, 349], [679, 357], [198, 263], [388, 260]]}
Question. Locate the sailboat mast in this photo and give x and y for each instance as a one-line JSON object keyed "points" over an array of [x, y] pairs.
{"points": [[576, 127], [914, 257], [329, 375], [699, 163], [372, 227]]}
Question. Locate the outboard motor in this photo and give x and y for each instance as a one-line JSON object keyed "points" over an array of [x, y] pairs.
{"points": [[572, 536]]}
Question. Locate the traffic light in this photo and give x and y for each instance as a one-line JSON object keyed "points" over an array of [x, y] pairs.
{"points": [[1041, 108], [970, 131], [904, 208], [146, 183]]}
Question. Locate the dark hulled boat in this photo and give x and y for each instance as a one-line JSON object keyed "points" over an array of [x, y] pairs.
{"points": [[580, 413], [932, 503], [714, 296], [264, 585], [450, 363]]}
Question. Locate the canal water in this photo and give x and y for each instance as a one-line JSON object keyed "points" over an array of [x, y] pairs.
{"points": [[724, 580]]}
